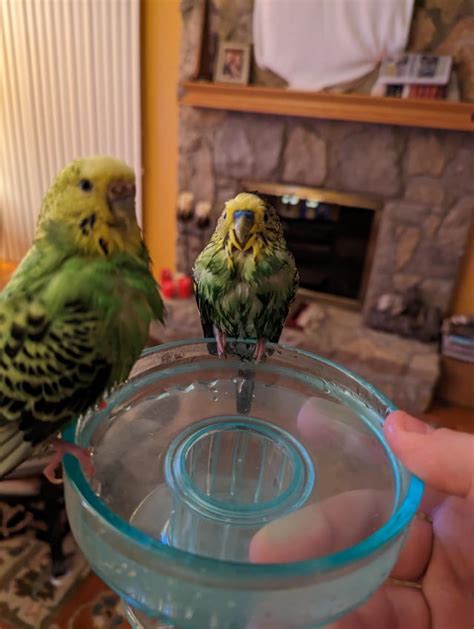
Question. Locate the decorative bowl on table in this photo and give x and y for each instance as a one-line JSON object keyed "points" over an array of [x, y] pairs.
{"points": [[197, 458]]}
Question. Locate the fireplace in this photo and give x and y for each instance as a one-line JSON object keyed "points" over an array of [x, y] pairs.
{"points": [[331, 235]]}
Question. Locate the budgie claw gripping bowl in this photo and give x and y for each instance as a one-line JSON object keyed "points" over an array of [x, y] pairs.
{"points": [[200, 515]]}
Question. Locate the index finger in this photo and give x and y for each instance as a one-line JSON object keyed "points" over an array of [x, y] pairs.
{"points": [[442, 458]]}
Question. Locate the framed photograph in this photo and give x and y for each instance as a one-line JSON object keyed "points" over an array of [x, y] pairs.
{"points": [[233, 63]]}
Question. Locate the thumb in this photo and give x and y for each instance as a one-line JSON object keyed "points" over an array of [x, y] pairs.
{"points": [[442, 458]]}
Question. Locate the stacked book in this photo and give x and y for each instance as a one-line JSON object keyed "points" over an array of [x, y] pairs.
{"points": [[417, 91], [458, 338], [413, 75]]}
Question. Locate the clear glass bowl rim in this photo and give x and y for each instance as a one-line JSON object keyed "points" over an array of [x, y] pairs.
{"points": [[335, 561]]}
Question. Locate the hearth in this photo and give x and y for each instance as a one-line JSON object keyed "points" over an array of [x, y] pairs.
{"points": [[331, 234]]}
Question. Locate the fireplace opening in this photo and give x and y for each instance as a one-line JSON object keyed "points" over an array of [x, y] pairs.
{"points": [[331, 235]]}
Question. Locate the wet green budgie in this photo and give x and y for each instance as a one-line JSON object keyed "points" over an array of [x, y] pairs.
{"points": [[245, 278], [75, 316]]}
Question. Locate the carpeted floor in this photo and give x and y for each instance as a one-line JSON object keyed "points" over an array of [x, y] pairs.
{"points": [[31, 599]]}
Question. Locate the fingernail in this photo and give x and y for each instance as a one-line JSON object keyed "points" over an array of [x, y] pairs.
{"points": [[407, 423]]}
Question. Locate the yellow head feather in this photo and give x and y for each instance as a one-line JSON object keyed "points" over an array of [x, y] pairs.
{"points": [[91, 206], [257, 222], [246, 201]]}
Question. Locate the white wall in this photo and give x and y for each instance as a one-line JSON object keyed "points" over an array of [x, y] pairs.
{"points": [[69, 87]]}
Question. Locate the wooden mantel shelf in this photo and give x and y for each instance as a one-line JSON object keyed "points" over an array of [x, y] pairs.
{"points": [[434, 114]]}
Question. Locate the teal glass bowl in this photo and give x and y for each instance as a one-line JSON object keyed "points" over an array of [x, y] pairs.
{"points": [[234, 495]]}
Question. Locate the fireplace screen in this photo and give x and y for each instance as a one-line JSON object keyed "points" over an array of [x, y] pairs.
{"points": [[331, 235]]}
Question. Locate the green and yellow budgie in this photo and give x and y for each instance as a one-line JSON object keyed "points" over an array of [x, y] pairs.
{"points": [[75, 316], [245, 278]]}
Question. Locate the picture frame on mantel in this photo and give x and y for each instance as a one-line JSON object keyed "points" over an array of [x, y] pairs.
{"points": [[233, 63]]}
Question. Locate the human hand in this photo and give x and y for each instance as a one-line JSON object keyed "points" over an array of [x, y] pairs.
{"points": [[438, 556]]}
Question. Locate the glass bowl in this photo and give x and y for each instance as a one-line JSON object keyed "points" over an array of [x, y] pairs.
{"points": [[232, 495]]}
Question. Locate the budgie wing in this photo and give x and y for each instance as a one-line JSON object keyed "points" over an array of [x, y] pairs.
{"points": [[210, 276], [50, 372], [206, 311], [276, 294]]}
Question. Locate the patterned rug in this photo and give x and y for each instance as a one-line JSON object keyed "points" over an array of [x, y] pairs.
{"points": [[31, 599]]}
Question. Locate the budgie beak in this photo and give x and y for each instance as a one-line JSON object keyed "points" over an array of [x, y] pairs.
{"points": [[119, 189], [121, 195], [243, 223]]}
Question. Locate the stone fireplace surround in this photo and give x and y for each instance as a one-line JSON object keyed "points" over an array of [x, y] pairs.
{"points": [[424, 179]]}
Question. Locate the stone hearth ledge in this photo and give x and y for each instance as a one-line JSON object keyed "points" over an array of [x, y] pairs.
{"points": [[406, 371]]}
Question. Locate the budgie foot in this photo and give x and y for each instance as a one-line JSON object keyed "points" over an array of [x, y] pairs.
{"points": [[220, 341], [61, 448], [259, 350]]}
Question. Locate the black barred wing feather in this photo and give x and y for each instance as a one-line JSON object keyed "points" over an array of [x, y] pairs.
{"points": [[205, 312], [50, 372]]}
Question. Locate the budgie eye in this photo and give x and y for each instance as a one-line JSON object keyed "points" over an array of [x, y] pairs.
{"points": [[85, 185], [224, 216]]}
